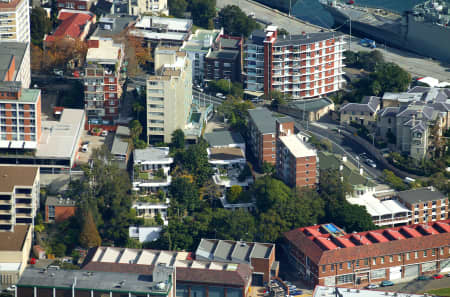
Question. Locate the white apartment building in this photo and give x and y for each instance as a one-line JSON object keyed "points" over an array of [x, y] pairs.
{"points": [[169, 94], [156, 7], [14, 21]]}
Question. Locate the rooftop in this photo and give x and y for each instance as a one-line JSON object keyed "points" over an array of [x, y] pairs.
{"points": [[13, 241], [60, 138], [202, 40], [224, 138], [368, 104], [152, 154], [169, 24], [112, 25], [305, 38], [230, 43], [59, 201], [119, 146], [16, 176], [232, 251], [311, 104], [421, 195], [72, 25], [9, 50], [297, 147], [225, 153], [323, 291], [99, 280], [107, 51], [327, 243], [376, 207], [264, 119], [224, 54]]}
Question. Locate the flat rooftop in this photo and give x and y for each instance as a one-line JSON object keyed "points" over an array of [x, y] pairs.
{"points": [[152, 154], [175, 36], [225, 153], [59, 201], [112, 25], [16, 176], [376, 207], [297, 147], [59, 139], [201, 41], [108, 51], [224, 138], [171, 24], [323, 291], [264, 119], [421, 195], [310, 104], [97, 281], [13, 241], [26, 95]]}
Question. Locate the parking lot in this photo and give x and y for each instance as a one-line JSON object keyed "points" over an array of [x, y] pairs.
{"points": [[94, 143]]}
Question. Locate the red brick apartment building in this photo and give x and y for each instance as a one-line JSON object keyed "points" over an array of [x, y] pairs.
{"points": [[306, 65], [296, 161], [326, 255]]}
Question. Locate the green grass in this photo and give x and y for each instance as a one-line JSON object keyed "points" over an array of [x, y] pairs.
{"points": [[440, 292]]}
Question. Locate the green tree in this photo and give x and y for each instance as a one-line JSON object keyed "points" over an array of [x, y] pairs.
{"points": [[235, 22], [268, 168], [391, 78], [278, 99], [235, 110], [210, 192], [178, 139], [40, 25], [393, 180], [135, 129], [89, 236], [185, 195], [137, 108], [203, 12], [234, 194], [59, 250], [282, 31], [177, 8], [268, 191], [195, 160]]}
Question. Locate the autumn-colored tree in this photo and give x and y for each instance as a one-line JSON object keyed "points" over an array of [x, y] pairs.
{"points": [[37, 57], [138, 55], [89, 236], [62, 51]]}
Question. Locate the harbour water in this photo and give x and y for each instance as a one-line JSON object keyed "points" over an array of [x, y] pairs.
{"points": [[312, 11]]}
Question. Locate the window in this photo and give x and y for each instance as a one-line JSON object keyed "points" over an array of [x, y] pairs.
{"points": [[442, 251], [391, 259], [307, 165], [324, 268], [425, 253], [416, 255], [340, 266], [374, 261], [357, 263], [349, 265], [332, 267], [408, 256], [366, 261], [433, 252], [382, 260], [111, 79], [344, 279], [51, 212], [307, 171], [399, 258]]}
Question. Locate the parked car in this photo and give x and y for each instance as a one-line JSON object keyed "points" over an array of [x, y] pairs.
{"points": [[104, 133], [423, 277], [438, 276], [296, 292], [372, 286], [58, 72], [85, 147], [76, 73], [386, 283], [371, 163], [11, 288]]}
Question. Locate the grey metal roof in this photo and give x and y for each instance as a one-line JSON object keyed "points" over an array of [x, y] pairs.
{"points": [[205, 249], [224, 54], [310, 104], [229, 43], [119, 24], [260, 251], [7, 51], [389, 112], [264, 119], [368, 104], [421, 195], [152, 154], [224, 138], [122, 131], [223, 250], [305, 38], [257, 37], [119, 147], [241, 252], [97, 281]]}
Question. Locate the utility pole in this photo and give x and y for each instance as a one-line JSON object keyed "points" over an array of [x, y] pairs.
{"points": [[350, 40]]}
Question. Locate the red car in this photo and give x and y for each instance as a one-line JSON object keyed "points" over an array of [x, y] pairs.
{"points": [[438, 276], [76, 73]]}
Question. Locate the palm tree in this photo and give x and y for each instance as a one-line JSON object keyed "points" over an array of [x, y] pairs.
{"points": [[137, 108]]}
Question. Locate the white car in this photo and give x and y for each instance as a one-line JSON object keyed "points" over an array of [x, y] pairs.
{"points": [[372, 286], [11, 288], [371, 163], [104, 133], [84, 148]]}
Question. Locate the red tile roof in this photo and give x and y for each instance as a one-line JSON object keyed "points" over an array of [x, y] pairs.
{"points": [[72, 25], [380, 242]]}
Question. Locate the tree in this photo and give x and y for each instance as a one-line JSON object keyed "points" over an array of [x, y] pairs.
{"points": [[177, 8], [137, 108], [203, 11], [393, 180], [37, 58], [185, 195], [391, 78], [89, 236], [135, 130], [235, 22], [63, 52], [268, 191], [59, 249], [40, 25], [234, 194], [268, 168], [236, 111], [195, 161], [282, 31], [277, 98], [210, 191], [178, 139]]}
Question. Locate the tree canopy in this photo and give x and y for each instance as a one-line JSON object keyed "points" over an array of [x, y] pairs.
{"points": [[40, 25], [235, 22], [177, 8], [203, 12], [178, 139], [235, 110], [89, 236]]}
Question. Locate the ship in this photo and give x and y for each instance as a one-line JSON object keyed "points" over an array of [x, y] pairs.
{"points": [[424, 30]]}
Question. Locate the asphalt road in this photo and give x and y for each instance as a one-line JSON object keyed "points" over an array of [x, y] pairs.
{"points": [[417, 286], [416, 65]]}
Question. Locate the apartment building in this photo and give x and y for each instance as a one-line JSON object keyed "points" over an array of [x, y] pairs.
{"points": [[19, 196], [84, 5], [20, 116], [169, 94], [15, 249], [296, 161], [426, 204], [103, 80], [151, 169], [155, 7], [262, 140], [225, 60], [15, 62], [199, 45], [14, 21], [261, 256], [302, 66], [327, 255], [101, 281], [74, 25]]}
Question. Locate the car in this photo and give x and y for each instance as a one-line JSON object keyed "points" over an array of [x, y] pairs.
{"points": [[76, 73], [11, 288], [437, 276], [423, 277], [386, 283], [58, 72], [372, 286], [448, 274], [85, 147], [371, 163], [104, 133]]}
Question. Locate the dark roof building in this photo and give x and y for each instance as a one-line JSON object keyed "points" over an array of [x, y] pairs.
{"points": [[224, 138], [421, 195], [225, 61], [327, 255]]}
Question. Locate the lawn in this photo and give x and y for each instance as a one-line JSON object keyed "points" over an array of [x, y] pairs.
{"points": [[440, 292]]}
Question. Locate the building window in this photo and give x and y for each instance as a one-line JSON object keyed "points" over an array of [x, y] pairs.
{"points": [[425, 253], [332, 267], [345, 279], [399, 258], [366, 261], [442, 251], [416, 255], [349, 265], [357, 263], [391, 259], [433, 252], [340, 266], [324, 268], [408, 256], [382, 260], [307, 165], [51, 212], [374, 261]]}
